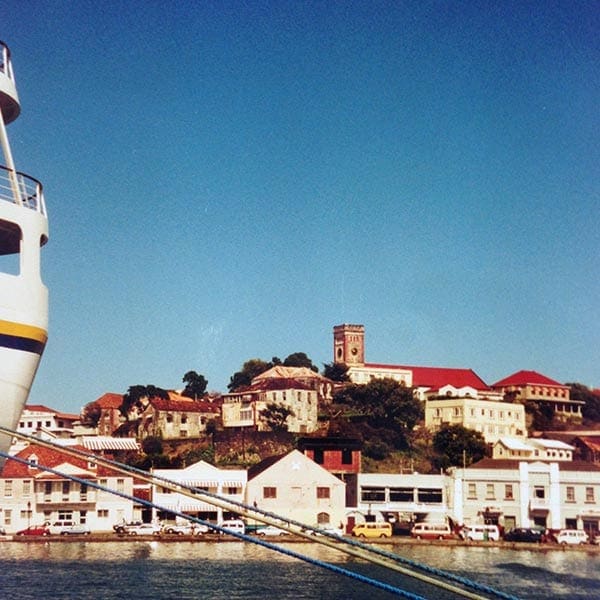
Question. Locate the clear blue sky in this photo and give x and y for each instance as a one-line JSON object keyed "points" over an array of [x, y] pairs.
{"points": [[231, 180]]}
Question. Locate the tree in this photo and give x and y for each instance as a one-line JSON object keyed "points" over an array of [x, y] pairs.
{"points": [[591, 408], [136, 393], [90, 415], [299, 359], [196, 385], [276, 416], [384, 403], [456, 445], [336, 372], [250, 369]]}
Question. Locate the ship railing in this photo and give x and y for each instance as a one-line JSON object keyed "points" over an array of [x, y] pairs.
{"points": [[5, 63], [24, 190]]}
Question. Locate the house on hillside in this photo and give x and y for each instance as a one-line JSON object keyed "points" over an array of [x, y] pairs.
{"points": [[244, 407], [492, 419], [29, 495], [110, 417], [530, 386], [295, 487], [532, 449], [37, 419], [588, 447], [175, 418], [312, 379]]}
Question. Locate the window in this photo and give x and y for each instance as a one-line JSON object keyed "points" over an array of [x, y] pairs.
{"points": [[570, 493], [401, 494], [508, 492], [269, 492], [66, 488], [120, 485], [589, 494], [232, 490], [323, 493], [430, 496], [83, 492], [489, 492], [103, 513], [472, 491], [8, 488], [318, 456], [346, 456], [372, 494], [8, 516], [539, 492], [323, 518], [27, 487]]}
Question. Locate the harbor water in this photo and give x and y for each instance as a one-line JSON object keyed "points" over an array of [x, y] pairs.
{"points": [[138, 570]]}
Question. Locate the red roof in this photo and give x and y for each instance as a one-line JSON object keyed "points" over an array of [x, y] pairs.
{"points": [[437, 377], [110, 400], [527, 378], [49, 457], [184, 405]]}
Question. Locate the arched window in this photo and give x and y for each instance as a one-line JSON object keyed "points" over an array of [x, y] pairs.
{"points": [[323, 518]]}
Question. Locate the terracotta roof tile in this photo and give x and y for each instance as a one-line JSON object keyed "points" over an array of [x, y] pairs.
{"points": [[437, 377], [527, 378]]}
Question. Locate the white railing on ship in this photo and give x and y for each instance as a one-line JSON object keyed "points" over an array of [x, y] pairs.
{"points": [[21, 189]]}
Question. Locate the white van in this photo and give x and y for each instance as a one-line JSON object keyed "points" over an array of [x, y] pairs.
{"points": [[234, 525], [572, 536], [480, 533], [432, 531]]}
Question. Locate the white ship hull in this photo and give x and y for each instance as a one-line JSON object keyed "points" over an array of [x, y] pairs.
{"points": [[23, 296]]}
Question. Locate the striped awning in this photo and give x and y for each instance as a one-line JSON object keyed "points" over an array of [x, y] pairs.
{"points": [[110, 443]]}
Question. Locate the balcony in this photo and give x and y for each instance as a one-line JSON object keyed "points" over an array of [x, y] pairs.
{"points": [[58, 498], [539, 504], [21, 189]]}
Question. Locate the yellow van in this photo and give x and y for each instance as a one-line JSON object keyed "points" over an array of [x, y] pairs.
{"points": [[372, 530]]}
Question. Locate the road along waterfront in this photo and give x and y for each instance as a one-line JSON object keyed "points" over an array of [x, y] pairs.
{"points": [[161, 569]]}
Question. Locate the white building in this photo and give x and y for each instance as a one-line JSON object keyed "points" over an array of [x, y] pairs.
{"points": [[297, 488], [532, 449], [522, 493], [229, 484]]}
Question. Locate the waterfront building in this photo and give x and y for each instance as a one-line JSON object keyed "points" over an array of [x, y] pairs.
{"points": [[401, 498], [521, 493], [228, 483], [296, 487], [342, 457], [530, 386], [30, 495]]}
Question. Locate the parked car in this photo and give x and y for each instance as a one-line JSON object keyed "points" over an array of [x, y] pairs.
{"points": [[35, 530], [234, 525], [380, 529], [479, 533], [524, 534], [270, 530], [76, 529], [68, 528], [143, 529], [121, 525], [572, 537], [327, 529], [185, 529], [432, 531]]}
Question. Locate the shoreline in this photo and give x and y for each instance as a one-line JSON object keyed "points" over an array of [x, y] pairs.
{"points": [[216, 538]]}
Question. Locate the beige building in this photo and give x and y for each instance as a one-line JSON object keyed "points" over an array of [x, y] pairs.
{"points": [[244, 407], [492, 419], [295, 487], [530, 386]]}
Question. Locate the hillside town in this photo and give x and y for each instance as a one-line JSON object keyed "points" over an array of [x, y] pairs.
{"points": [[315, 448]]}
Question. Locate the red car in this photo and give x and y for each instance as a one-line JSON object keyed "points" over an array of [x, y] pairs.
{"points": [[35, 530]]}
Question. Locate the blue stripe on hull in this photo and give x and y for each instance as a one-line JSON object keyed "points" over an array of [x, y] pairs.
{"points": [[15, 342]]}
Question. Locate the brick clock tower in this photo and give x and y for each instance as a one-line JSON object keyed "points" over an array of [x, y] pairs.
{"points": [[349, 344]]}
